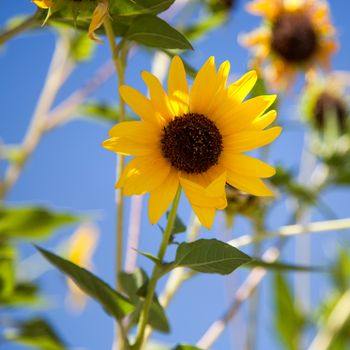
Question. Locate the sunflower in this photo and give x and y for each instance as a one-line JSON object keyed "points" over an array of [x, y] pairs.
{"points": [[100, 11], [325, 103], [194, 139], [297, 35]]}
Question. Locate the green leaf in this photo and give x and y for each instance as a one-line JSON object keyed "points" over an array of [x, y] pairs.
{"points": [[137, 7], [102, 111], [289, 321], [186, 347], [36, 333], [200, 28], [32, 222], [149, 256], [135, 285], [179, 226], [210, 256], [7, 270], [81, 47], [24, 294], [113, 302], [152, 31], [283, 267]]}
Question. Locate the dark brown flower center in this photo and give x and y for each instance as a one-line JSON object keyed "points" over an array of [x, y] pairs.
{"points": [[327, 106], [294, 38], [192, 143]]}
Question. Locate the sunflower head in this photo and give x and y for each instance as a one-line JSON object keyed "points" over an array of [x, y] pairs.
{"points": [[297, 35], [325, 105], [194, 138]]}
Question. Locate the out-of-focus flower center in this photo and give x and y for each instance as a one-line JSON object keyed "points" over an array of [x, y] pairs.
{"points": [[192, 143], [294, 38], [327, 106]]}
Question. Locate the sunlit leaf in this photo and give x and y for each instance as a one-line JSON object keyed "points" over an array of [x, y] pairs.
{"points": [[152, 31], [210, 256], [24, 294], [186, 347], [37, 333], [32, 222], [113, 302], [7, 270], [289, 321]]}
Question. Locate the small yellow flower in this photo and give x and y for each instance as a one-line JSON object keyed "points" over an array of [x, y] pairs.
{"points": [[98, 16], [194, 138], [297, 35], [81, 247]]}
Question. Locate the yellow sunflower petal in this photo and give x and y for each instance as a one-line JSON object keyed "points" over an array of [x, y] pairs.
{"points": [[243, 116], [142, 132], [266, 8], [147, 176], [248, 140], [141, 105], [161, 198], [197, 195], [252, 185], [98, 16], [204, 87], [205, 215], [129, 147], [241, 88], [44, 4], [129, 170], [246, 165], [177, 82], [265, 120], [158, 96]]}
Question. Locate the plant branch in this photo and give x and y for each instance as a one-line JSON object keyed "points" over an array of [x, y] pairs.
{"points": [[156, 273]]}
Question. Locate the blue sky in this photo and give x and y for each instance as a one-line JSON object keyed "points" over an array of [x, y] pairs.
{"points": [[70, 170]]}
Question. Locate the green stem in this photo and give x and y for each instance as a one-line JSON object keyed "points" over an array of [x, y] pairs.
{"points": [[21, 27], [156, 273], [119, 59]]}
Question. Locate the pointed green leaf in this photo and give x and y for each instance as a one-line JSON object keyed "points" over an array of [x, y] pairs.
{"points": [[179, 226], [7, 270], [37, 333], [32, 222], [283, 267], [210, 256], [24, 294], [113, 302], [289, 321], [149, 256], [135, 286], [186, 347], [152, 31]]}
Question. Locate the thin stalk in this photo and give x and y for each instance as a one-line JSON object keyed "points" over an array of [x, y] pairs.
{"points": [[178, 276], [119, 60], [253, 313], [58, 72], [19, 28], [156, 273]]}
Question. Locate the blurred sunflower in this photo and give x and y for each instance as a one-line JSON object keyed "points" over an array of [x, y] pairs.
{"points": [[325, 103], [194, 138], [98, 8], [81, 247], [297, 35]]}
